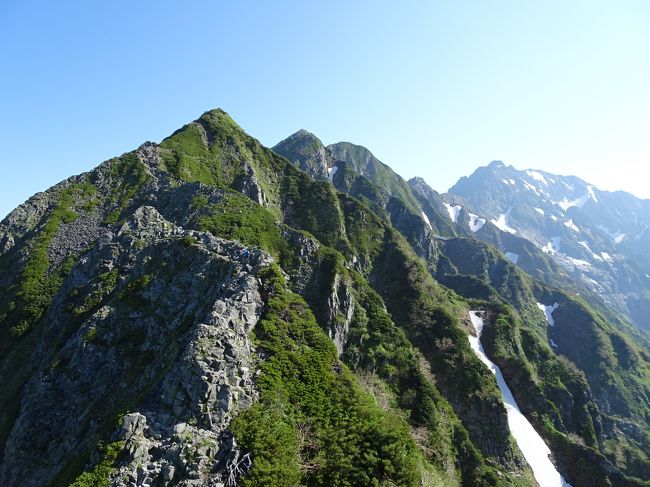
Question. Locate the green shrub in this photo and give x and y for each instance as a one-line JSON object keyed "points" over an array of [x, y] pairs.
{"points": [[100, 474], [313, 422]]}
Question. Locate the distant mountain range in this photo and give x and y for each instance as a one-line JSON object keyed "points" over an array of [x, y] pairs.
{"points": [[600, 238], [209, 311]]}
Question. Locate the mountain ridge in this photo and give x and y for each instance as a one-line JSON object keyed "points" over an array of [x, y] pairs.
{"points": [[552, 210], [249, 324]]}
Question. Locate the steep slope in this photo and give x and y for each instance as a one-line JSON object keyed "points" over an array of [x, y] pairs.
{"points": [[361, 175], [517, 249], [577, 374], [478, 271], [309, 153], [203, 312], [597, 236]]}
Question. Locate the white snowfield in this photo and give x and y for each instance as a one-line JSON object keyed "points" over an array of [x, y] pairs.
{"points": [[502, 224], [426, 219], [528, 440], [453, 211], [571, 225], [588, 249], [565, 204], [548, 312], [331, 171], [475, 222], [537, 177], [553, 247]]}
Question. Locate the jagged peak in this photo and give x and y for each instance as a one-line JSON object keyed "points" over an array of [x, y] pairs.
{"points": [[303, 133], [305, 150], [496, 164], [301, 136], [417, 180]]}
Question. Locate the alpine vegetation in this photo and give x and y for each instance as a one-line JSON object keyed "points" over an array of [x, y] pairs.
{"points": [[207, 311]]}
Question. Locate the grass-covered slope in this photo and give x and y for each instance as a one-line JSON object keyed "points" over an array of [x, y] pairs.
{"points": [[363, 372], [376, 418], [581, 383], [364, 240]]}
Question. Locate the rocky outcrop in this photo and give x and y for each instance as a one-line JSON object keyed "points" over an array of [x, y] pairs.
{"points": [[181, 368], [307, 152], [341, 309]]}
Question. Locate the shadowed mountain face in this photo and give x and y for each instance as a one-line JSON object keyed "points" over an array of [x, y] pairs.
{"points": [[205, 311], [598, 237]]}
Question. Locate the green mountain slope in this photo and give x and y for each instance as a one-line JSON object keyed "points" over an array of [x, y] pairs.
{"points": [[174, 316], [566, 376], [202, 312]]}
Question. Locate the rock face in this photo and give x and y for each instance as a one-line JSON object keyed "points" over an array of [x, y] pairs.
{"points": [[200, 349], [308, 153]]}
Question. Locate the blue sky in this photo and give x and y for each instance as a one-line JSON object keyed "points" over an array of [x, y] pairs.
{"points": [[432, 88]]}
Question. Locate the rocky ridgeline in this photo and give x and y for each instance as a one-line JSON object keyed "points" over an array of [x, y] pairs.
{"points": [[140, 349], [204, 300]]}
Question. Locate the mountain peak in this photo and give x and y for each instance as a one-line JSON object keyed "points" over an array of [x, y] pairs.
{"points": [[299, 137], [416, 180], [306, 151], [218, 114], [304, 133]]}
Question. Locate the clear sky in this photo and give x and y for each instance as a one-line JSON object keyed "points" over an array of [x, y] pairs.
{"points": [[432, 88]]}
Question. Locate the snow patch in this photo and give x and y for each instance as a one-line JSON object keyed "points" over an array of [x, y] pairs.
{"points": [[531, 187], [528, 440], [616, 236], [553, 344], [571, 225], [569, 186], [475, 222], [579, 263], [592, 194], [540, 211], [565, 204], [554, 218], [331, 171], [606, 257], [512, 257], [548, 312], [453, 211], [593, 255], [553, 247], [426, 220], [537, 177], [512, 181], [502, 224]]}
